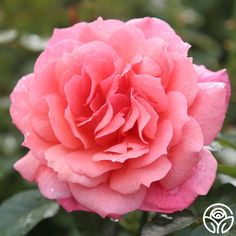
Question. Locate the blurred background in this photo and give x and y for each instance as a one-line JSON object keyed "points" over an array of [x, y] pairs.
{"points": [[25, 25]]}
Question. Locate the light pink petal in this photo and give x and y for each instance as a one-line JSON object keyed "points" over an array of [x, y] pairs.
{"points": [[78, 86], [81, 134], [156, 50], [184, 78], [153, 27], [143, 119], [132, 117], [79, 32], [101, 156], [127, 47], [20, 105], [69, 204], [117, 121], [56, 159], [209, 109], [158, 147], [41, 123], [106, 118], [81, 162], [100, 65], [184, 156], [177, 113], [169, 201], [152, 88], [151, 127], [33, 141], [28, 166], [206, 75], [158, 199], [117, 148], [52, 53], [44, 83], [105, 201], [50, 186], [128, 180], [105, 28], [147, 66], [204, 173], [59, 124]]}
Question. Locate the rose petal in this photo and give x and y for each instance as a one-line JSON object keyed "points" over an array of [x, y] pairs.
{"points": [[22, 166], [20, 105], [128, 180], [127, 47], [50, 186], [156, 28], [184, 156], [152, 88], [56, 159], [69, 204], [205, 75], [59, 124], [184, 78], [106, 202], [169, 201], [177, 114], [158, 147], [209, 109], [81, 162]]}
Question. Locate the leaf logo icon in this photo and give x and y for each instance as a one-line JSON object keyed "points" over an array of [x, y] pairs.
{"points": [[218, 218]]}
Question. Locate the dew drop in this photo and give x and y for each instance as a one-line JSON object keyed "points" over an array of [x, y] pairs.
{"points": [[114, 219], [52, 190]]}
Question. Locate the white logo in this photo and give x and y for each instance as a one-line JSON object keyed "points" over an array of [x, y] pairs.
{"points": [[218, 218]]}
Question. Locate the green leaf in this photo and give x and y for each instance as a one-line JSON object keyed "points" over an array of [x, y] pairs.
{"points": [[227, 170], [163, 224], [20, 213]]}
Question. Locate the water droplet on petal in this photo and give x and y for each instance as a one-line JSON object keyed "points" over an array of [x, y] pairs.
{"points": [[52, 190], [114, 219]]}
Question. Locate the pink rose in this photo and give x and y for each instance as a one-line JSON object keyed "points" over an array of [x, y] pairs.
{"points": [[117, 118]]}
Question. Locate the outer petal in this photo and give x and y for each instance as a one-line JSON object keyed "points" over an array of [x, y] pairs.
{"points": [[23, 165], [105, 201], [153, 27], [127, 47], [184, 78], [205, 75], [69, 204], [204, 174], [179, 198], [184, 156], [56, 159], [20, 106], [59, 124], [50, 186], [209, 109]]}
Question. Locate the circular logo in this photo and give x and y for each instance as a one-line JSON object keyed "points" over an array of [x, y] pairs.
{"points": [[218, 218]]}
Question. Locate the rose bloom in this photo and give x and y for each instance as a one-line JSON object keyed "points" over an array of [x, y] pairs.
{"points": [[117, 117]]}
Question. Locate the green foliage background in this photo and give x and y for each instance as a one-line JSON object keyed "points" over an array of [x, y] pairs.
{"points": [[209, 26]]}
